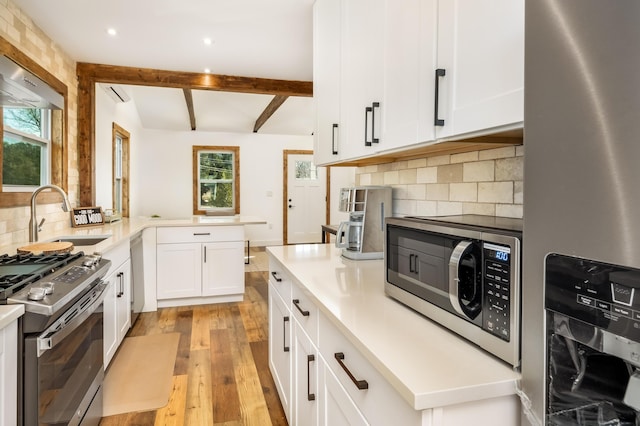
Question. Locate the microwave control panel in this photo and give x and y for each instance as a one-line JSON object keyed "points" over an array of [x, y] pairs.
{"points": [[497, 290]]}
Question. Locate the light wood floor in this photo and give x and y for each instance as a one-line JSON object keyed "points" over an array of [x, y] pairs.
{"points": [[221, 375]]}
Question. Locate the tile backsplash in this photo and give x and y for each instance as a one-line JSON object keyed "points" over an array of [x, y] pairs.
{"points": [[487, 182]]}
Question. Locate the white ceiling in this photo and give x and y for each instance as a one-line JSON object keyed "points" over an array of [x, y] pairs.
{"points": [[250, 38]]}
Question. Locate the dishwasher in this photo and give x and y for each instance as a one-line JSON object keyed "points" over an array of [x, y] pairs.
{"points": [[137, 277]]}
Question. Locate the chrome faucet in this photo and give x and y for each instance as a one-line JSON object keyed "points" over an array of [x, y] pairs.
{"points": [[34, 227]]}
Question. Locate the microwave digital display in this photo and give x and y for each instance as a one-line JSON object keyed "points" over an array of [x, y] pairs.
{"points": [[496, 252]]}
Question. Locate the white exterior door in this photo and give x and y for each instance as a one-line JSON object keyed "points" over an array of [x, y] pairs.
{"points": [[306, 203]]}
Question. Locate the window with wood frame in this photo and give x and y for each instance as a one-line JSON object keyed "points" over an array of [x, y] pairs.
{"points": [[216, 180], [120, 170]]}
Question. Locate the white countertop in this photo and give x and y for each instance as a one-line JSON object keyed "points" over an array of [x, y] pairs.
{"points": [[127, 227], [9, 313], [428, 365]]}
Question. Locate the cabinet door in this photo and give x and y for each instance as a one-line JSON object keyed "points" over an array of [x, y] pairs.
{"points": [[305, 398], [8, 374], [337, 408], [280, 358], [110, 308], [179, 270], [326, 80], [410, 38], [123, 300], [223, 268], [481, 48], [362, 75]]}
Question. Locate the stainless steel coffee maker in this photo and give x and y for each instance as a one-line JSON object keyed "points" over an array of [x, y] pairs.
{"points": [[362, 236]]}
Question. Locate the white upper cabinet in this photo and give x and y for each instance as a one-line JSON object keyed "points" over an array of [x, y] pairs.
{"points": [[326, 80], [414, 71], [481, 49], [362, 75], [410, 49], [347, 78]]}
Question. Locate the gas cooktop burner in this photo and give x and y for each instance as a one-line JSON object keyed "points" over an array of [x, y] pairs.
{"points": [[19, 270]]}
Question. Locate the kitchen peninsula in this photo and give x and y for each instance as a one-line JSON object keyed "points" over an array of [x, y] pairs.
{"points": [[415, 371], [210, 229]]}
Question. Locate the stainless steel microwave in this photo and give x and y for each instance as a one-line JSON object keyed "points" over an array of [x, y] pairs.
{"points": [[462, 272]]}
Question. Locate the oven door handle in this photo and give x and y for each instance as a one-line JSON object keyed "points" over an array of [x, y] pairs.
{"points": [[59, 329], [454, 278]]}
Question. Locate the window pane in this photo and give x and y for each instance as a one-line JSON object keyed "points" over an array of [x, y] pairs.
{"points": [[216, 195], [216, 165], [27, 120], [306, 170], [21, 161]]}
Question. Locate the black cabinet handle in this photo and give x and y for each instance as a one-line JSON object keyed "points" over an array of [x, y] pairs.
{"points": [[360, 384], [440, 72], [367, 111], [205, 254], [120, 276], [285, 348], [275, 277], [296, 303], [373, 122], [201, 233], [334, 149], [310, 396], [411, 262]]}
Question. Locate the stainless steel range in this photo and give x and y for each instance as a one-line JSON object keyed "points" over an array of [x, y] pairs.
{"points": [[61, 335]]}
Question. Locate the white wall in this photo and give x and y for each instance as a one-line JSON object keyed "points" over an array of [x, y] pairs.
{"points": [[124, 115], [163, 180], [161, 170]]}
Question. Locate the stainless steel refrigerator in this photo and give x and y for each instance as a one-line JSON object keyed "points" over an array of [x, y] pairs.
{"points": [[582, 156]]}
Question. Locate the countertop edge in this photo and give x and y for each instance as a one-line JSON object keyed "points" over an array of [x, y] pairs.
{"points": [[10, 313]]}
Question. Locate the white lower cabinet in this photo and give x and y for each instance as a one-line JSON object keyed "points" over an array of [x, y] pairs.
{"points": [[323, 379], [8, 375], [197, 265], [280, 353], [338, 408], [306, 392], [117, 301]]}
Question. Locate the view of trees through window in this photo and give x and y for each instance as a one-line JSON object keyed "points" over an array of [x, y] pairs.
{"points": [[24, 150], [216, 180]]}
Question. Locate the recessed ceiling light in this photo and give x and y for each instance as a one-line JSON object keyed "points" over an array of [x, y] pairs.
{"points": [[207, 71], [112, 31], [207, 41]]}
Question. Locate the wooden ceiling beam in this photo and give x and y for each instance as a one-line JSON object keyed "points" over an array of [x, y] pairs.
{"points": [[188, 97], [189, 80], [273, 106]]}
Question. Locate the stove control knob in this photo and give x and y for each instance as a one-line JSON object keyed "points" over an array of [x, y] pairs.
{"points": [[36, 293], [48, 287]]}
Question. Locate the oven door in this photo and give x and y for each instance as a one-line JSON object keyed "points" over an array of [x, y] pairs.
{"points": [[63, 367]]}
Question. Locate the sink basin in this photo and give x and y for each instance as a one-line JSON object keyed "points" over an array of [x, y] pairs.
{"points": [[82, 240]]}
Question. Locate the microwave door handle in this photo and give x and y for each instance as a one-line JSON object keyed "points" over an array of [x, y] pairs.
{"points": [[341, 240], [48, 340], [454, 276]]}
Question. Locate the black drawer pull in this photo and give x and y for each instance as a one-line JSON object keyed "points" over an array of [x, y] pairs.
{"points": [[310, 396], [296, 303], [285, 320], [360, 384], [275, 277], [198, 234]]}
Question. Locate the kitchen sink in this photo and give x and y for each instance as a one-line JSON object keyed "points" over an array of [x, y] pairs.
{"points": [[82, 240]]}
